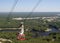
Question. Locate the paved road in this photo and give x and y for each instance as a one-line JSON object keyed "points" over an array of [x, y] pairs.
{"points": [[10, 30]]}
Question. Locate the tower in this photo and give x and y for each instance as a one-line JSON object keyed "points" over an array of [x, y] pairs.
{"points": [[21, 35]]}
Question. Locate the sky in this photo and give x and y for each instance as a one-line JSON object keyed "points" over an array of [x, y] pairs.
{"points": [[28, 5]]}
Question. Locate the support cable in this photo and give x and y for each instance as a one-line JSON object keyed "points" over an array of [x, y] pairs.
{"points": [[34, 8], [13, 7]]}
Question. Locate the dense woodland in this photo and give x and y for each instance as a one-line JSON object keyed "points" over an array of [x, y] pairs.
{"points": [[29, 24]]}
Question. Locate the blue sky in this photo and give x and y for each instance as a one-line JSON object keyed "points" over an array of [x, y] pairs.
{"points": [[27, 6]]}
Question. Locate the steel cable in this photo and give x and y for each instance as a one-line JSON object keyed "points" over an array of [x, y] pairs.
{"points": [[13, 7], [34, 8]]}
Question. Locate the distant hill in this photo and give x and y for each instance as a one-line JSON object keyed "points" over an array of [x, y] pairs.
{"points": [[24, 14]]}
